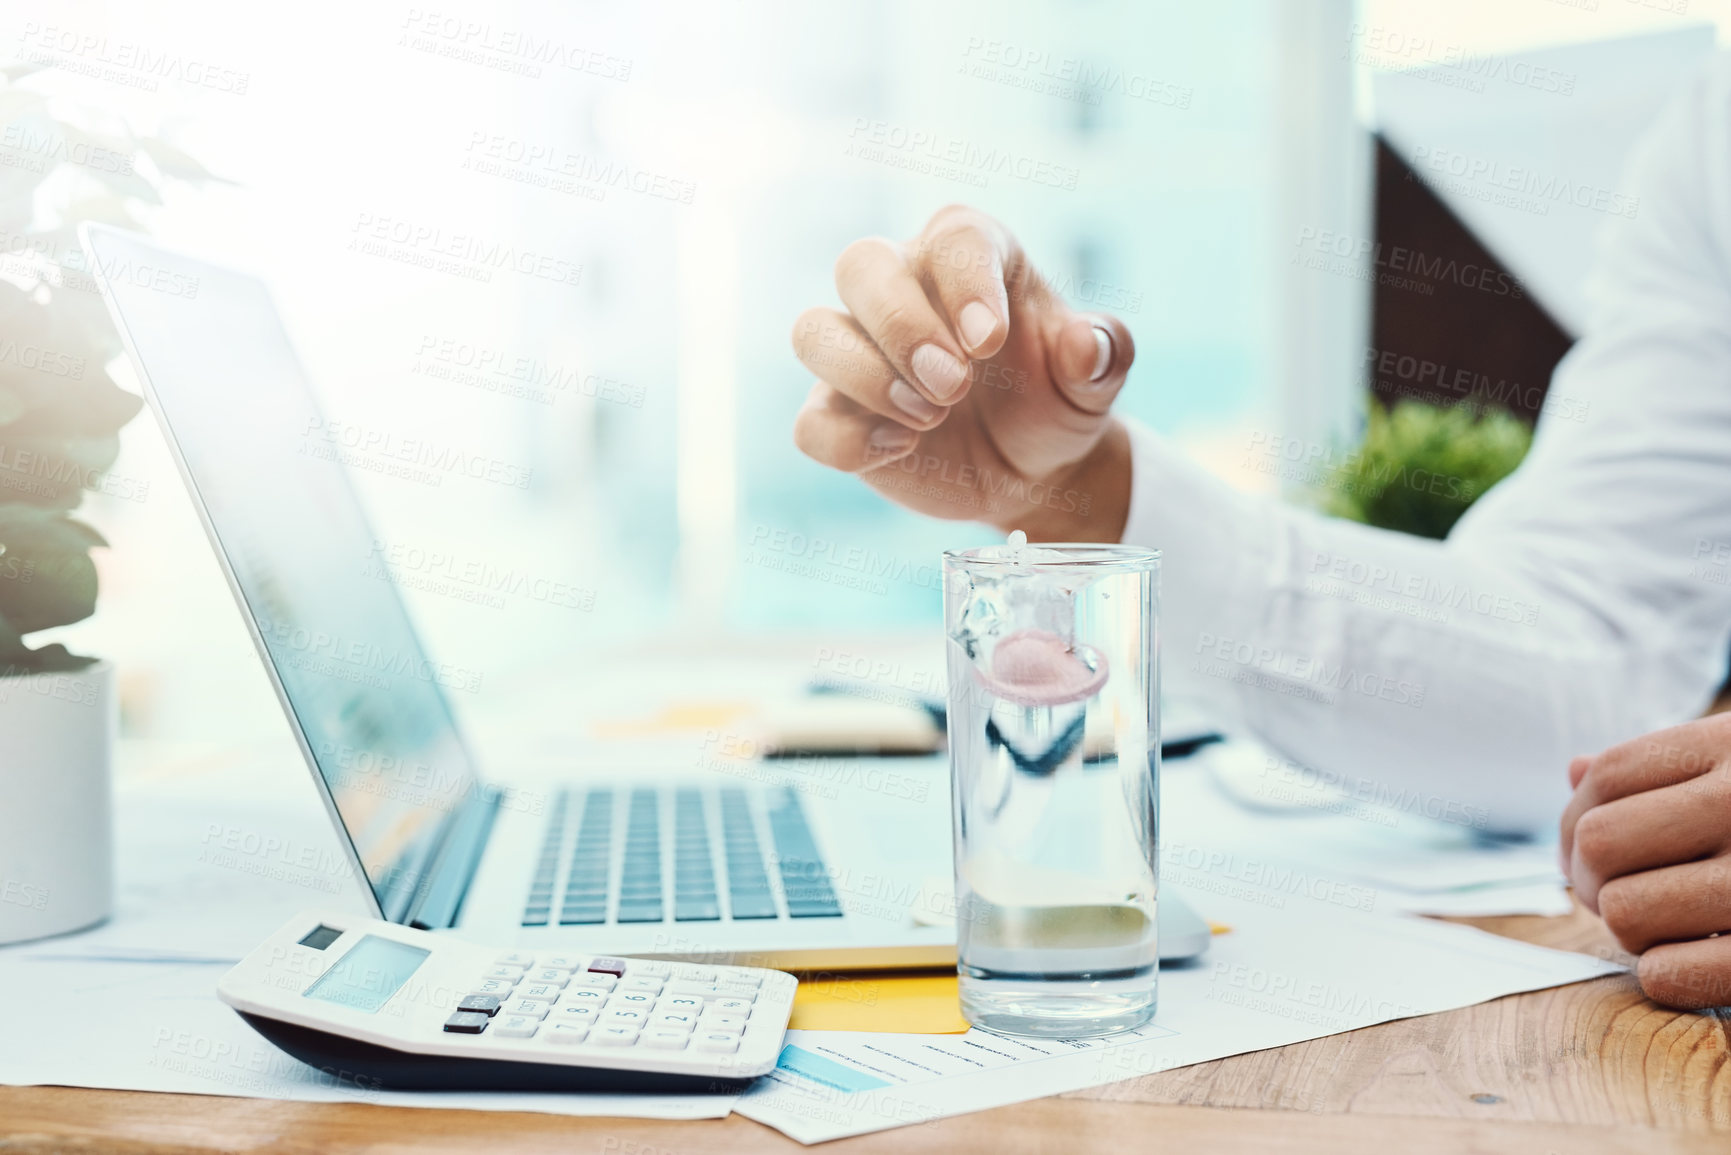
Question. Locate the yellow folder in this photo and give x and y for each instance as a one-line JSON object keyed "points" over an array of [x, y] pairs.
{"points": [[915, 1004]]}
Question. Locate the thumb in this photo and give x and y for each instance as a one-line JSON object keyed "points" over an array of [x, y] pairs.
{"points": [[1090, 359]]}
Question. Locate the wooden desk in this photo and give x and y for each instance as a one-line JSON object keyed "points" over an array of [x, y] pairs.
{"points": [[1587, 1068]]}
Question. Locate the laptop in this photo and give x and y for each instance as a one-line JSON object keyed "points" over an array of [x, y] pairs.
{"points": [[680, 863]]}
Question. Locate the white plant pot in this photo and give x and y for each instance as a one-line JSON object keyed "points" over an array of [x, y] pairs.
{"points": [[56, 810]]}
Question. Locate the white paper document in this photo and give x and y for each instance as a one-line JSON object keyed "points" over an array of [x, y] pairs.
{"points": [[1241, 799], [1281, 976]]}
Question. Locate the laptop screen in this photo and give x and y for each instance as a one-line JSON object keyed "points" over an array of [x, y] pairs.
{"points": [[260, 459]]}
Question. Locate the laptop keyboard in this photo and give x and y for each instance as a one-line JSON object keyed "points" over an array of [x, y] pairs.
{"points": [[614, 861]]}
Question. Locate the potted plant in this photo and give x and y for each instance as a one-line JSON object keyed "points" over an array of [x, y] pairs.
{"points": [[1420, 466], [60, 416]]}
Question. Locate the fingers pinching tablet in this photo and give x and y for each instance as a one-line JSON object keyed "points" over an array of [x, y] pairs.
{"points": [[834, 347], [885, 297]]}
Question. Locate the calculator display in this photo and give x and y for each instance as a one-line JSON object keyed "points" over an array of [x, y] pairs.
{"points": [[367, 976]]}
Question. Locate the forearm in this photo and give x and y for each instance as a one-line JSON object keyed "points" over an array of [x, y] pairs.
{"points": [[1433, 670]]}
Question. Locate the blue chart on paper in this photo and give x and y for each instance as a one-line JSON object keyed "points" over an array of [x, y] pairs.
{"points": [[826, 1071]]}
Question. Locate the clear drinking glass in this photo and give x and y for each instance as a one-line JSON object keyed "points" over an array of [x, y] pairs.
{"points": [[1054, 731]]}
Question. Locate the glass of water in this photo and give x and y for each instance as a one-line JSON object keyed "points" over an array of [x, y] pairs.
{"points": [[1054, 732]]}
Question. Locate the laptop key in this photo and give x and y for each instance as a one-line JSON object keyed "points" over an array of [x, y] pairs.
{"points": [[694, 911], [584, 916], [813, 910], [638, 913], [748, 905]]}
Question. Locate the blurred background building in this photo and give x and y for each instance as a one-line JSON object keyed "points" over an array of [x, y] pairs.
{"points": [[669, 184]]}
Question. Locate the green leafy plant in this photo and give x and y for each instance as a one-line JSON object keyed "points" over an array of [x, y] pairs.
{"points": [[60, 412], [1420, 466]]}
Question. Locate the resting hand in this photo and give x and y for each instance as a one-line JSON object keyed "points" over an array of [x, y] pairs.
{"points": [[1646, 842]]}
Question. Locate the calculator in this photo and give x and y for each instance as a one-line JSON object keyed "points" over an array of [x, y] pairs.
{"points": [[375, 1001]]}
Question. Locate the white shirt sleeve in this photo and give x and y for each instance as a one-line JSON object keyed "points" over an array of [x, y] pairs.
{"points": [[1582, 602]]}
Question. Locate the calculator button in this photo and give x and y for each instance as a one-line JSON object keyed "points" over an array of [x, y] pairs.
{"points": [[480, 1004], [695, 974], [584, 996], [631, 999], [665, 1040], [561, 962], [467, 1023], [542, 992], [516, 1026], [528, 1008], [599, 981], [681, 1003], [674, 1019], [737, 1007], [608, 966], [576, 1013], [652, 970], [639, 983], [717, 1042], [620, 1036], [721, 1024], [511, 974], [515, 959], [735, 991], [567, 1034], [743, 978], [704, 990], [553, 976], [624, 1017], [499, 987]]}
